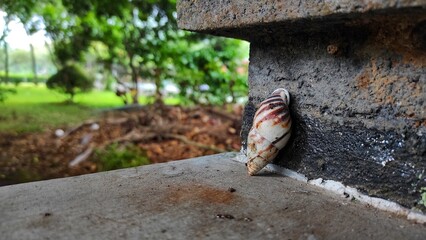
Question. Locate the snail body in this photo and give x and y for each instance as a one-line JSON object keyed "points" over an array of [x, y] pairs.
{"points": [[270, 131]]}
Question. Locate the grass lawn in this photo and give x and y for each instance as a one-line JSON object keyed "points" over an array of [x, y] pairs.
{"points": [[34, 108]]}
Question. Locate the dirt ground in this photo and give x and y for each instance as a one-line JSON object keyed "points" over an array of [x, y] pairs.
{"points": [[163, 133]]}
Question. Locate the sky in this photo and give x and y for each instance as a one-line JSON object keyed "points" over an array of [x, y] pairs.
{"points": [[18, 39]]}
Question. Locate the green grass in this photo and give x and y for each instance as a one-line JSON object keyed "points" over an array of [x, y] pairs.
{"points": [[35, 108]]}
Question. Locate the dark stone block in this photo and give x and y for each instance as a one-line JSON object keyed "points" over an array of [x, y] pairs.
{"points": [[356, 72], [377, 162], [358, 105]]}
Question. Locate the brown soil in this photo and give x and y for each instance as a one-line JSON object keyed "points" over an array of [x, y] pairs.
{"points": [[166, 133]]}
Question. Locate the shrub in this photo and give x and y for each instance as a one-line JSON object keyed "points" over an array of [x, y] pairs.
{"points": [[71, 80], [115, 157], [17, 78], [422, 200], [4, 92]]}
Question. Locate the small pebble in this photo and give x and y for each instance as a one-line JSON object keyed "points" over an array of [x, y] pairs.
{"points": [[59, 133], [94, 127]]}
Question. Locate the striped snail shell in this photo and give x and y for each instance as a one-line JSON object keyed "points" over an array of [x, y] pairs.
{"points": [[270, 131]]}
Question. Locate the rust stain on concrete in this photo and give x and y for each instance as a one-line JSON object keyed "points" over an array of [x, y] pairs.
{"points": [[382, 86], [402, 34], [363, 80], [400, 37]]}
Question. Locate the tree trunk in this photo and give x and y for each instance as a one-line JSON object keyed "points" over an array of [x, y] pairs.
{"points": [[33, 58], [231, 90], [33, 64], [135, 90], [71, 100], [158, 95], [52, 55], [7, 20], [6, 62]]}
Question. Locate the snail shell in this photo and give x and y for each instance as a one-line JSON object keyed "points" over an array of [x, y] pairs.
{"points": [[270, 131]]}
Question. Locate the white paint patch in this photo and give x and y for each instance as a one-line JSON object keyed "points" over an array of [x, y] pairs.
{"points": [[344, 191], [241, 157], [417, 217], [286, 172]]}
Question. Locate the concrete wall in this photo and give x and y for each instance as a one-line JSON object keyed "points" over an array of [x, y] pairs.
{"points": [[356, 74]]}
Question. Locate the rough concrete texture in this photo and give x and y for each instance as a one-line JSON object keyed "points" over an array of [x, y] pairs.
{"points": [[356, 72], [228, 17], [204, 198], [358, 103]]}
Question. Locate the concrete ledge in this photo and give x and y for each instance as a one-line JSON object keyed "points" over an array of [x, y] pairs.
{"points": [[356, 72], [230, 18], [189, 199]]}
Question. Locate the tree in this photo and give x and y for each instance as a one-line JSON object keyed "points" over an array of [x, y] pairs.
{"points": [[142, 40], [3, 42], [3, 36], [137, 38], [132, 31], [70, 34], [71, 80], [25, 11], [212, 70]]}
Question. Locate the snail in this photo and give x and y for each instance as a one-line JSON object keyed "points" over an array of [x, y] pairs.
{"points": [[270, 131]]}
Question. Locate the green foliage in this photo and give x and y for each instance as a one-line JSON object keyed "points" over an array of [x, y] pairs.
{"points": [[140, 40], [23, 9], [35, 108], [22, 175], [115, 156], [24, 118], [217, 63], [20, 63], [17, 78], [423, 196], [71, 79], [4, 92]]}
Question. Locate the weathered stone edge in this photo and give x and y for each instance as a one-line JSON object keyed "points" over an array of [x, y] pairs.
{"points": [[210, 16], [343, 191]]}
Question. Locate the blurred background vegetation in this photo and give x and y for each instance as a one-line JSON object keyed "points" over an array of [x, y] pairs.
{"points": [[61, 61], [128, 52]]}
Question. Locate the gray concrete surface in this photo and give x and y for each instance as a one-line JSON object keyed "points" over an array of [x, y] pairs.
{"points": [[203, 198], [356, 73], [359, 116], [234, 17]]}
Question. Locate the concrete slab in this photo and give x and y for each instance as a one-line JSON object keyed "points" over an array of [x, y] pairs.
{"points": [[355, 71], [230, 18], [203, 198]]}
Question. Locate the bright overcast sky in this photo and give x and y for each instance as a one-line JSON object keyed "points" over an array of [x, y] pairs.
{"points": [[17, 37]]}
